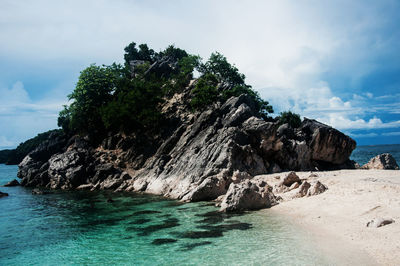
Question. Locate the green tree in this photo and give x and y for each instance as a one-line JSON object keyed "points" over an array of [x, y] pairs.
{"points": [[290, 118], [93, 90], [143, 53]]}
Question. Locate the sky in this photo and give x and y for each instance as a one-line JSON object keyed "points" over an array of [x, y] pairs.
{"points": [[334, 61]]}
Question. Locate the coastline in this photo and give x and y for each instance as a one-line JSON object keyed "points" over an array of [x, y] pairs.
{"points": [[339, 215]]}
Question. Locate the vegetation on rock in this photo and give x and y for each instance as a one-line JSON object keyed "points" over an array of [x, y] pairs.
{"points": [[290, 118], [17, 155], [128, 97]]}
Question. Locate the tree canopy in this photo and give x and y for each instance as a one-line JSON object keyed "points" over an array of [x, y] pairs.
{"points": [[117, 98]]}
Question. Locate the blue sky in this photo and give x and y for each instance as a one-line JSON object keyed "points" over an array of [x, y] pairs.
{"points": [[335, 61]]}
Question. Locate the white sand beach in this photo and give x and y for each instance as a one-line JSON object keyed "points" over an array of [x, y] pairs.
{"points": [[340, 214]]}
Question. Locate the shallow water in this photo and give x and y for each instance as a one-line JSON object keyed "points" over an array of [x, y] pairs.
{"points": [[83, 228]]}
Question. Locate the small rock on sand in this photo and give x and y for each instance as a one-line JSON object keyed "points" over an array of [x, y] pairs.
{"points": [[378, 222]]}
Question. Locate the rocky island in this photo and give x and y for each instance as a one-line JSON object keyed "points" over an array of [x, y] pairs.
{"points": [[207, 138]]}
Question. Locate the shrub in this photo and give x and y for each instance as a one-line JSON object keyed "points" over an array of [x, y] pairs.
{"points": [[290, 118]]}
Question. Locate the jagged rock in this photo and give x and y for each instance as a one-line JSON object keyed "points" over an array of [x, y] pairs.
{"points": [[294, 186], [316, 188], [3, 194], [85, 187], [290, 178], [66, 170], [111, 183], [382, 161], [238, 176], [211, 188], [247, 196], [378, 222], [12, 183], [302, 190], [195, 157]]}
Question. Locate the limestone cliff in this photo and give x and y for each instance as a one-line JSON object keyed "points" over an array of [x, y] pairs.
{"points": [[196, 157]]}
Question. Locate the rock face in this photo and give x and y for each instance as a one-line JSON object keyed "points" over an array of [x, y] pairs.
{"points": [[382, 161], [198, 156], [12, 183]]}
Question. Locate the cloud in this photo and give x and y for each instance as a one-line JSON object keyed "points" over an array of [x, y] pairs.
{"points": [[366, 135], [22, 118], [5, 143], [391, 134], [311, 58]]}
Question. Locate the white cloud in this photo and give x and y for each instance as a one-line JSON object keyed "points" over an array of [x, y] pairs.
{"points": [[285, 48], [5, 143], [366, 135], [22, 118], [391, 134]]}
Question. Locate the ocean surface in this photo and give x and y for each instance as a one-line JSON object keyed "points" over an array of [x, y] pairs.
{"points": [[83, 228], [362, 154]]}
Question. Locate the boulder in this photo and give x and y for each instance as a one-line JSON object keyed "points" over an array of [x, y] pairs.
{"points": [[210, 189], [382, 161], [3, 194], [12, 183], [302, 190], [246, 196], [290, 178], [316, 188], [378, 222]]}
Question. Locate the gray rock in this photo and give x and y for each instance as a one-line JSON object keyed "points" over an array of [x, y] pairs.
{"points": [[12, 183], [246, 196], [195, 157], [316, 188], [382, 161], [302, 190], [378, 222]]}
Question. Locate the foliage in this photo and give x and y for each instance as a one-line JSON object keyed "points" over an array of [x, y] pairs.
{"points": [[226, 82], [17, 155], [93, 90], [205, 92], [112, 98], [143, 53], [290, 118], [4, 155]]}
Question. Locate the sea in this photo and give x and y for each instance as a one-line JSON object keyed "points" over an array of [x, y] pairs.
{"points": [[86, 228]]}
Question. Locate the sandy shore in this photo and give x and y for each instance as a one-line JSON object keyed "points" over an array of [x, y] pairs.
{"points": [[338, 217]]}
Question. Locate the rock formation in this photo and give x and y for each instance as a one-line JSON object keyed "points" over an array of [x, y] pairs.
{"points": [[201, 156], [382, 161], [12, 183], [2, 194]]}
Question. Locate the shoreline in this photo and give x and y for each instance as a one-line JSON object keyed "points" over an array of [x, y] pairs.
{"points": [[337, 218]]}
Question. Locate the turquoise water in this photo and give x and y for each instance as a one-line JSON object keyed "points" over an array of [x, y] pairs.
{"points": [[81, 228], [362, 154]]}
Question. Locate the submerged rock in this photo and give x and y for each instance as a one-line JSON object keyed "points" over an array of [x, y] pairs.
{"points": [[382, 161], [3, 194], [12, 183]]}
